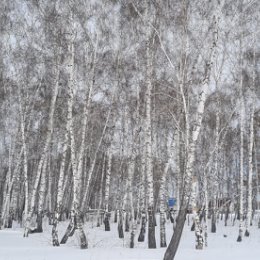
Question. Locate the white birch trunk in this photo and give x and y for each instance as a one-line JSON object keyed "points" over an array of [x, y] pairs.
{"points": [[131, 167], [86, 113], [215, 171], [10, 180], [162, 206], [61, 184], [148, 139], [205, 184], [250, 171], [92, 167], [45, 151], [100, 195], [25, 160], [76, 174], [241, 171], [7, 187], [107, 189], [142, 199]]}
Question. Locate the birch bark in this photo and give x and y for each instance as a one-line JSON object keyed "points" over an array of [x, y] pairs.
{"points": [[241, 171], [45, 150], [162, 206], [250, 170], [25, 159], [174, 243], [107, 189], [76, 218]]}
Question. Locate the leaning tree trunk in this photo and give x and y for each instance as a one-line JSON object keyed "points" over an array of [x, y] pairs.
{"points": [[45, 150], [175, 240], [174, 243], [92, 167]]}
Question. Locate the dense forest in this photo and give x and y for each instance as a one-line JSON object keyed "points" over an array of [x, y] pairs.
{"points": [[115, 108]]}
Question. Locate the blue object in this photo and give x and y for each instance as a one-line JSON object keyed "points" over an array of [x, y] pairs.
{"points": [[171, 202]]}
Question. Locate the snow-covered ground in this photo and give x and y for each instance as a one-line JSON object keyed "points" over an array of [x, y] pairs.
{"points": [[107, 246]]}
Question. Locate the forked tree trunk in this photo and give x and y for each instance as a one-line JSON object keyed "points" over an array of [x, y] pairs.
{"points": [[76, 218], [61, 185], [174, 243]]}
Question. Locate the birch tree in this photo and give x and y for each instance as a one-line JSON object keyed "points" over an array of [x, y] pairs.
{"points": [[75, 221], [173, 245]]}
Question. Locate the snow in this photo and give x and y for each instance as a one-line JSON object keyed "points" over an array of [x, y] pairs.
{"points": [[107, 246]]}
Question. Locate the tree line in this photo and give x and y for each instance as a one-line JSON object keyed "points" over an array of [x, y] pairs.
{"points": [[113, 107]]}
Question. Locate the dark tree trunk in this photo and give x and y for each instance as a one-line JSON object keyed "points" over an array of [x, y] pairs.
{"points": [[170, 215], [226, 215], [151, 228], [39, 223], [132, 239], [247, 233], [127, 222], [238, 214], [142, 231], [69, 232], [115, 216], [154, 220], [213, 223], [106, 222], [192, 226], [10, 220], [175, 240], [136, 215], [120, 226]]}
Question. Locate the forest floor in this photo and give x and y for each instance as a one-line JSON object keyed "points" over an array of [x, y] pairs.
{"points": [[107, 246]]}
